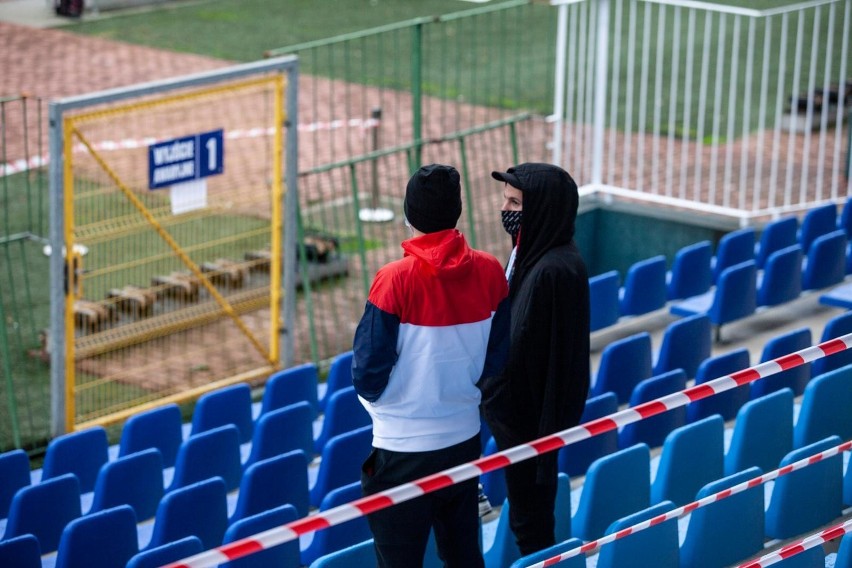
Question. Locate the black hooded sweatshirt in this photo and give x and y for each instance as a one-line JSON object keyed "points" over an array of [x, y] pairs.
{"points": [[544, 385]]}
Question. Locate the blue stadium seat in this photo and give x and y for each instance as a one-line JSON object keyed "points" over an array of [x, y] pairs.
{"points": [[840, 296], [167, 553], [341, 462], [686, 343], [158, 428], [283, 430], [343, 413], [562, 507], [603, 300], [725, 403], [574, 459], [690, 274], [502, 551], [44, 509], [837, 326], [776, 235], [493, 482], [82, 453], [654, 547], [847, 487], [817, 222], [290, 386], [763, 433], [825, 408], [273, 482], [726, 531], [844, 552], [808, 558], [616, 485], [339, 377], [644, 289], [208, 454], [198, 510], [340, 536], [623, 364], [808, 498], [578, 561], [781, 279], [135, 480], [733, 298], [844, 222], [825, 263], [100, 540], [14, 474], [363, 554], [20, 552], [285, 555], [734, 248], [653, 430], [227, 405], [795, 378], [692, 456]]}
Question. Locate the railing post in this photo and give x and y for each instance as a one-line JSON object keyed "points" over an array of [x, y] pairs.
{"points": [[599, 116], [417, 90], [558, 116]]}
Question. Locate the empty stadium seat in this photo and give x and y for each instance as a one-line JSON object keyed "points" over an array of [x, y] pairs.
{"points": [[158, 556], [104, 539], [14, 474], [825, 263], [844, 552], [763, 433], [725, 403], [339, 377], [341, 536], [560, 547], [776, 235], [781, 279], [44, 509], [734, 248], [644, 289], [270, 483], [795, 378], [135, 480], [604, 309], [690, 274], [198, 510], [809, 558], [343, 413], [653, 547], [502, 550], [212, 453], [837, 326], [159, 428], [285, 555], [227, 405], [574, 459], [21, 552], [283, 430], [825, 408], [289, 386], [685, 344], [817, 222], [341, 462], [363, 554], [623, 364], [82, 453], [654, 429]]}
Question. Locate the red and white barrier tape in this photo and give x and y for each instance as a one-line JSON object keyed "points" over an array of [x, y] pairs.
{"points": [[595, 545], [442, 479], [795, 548]]}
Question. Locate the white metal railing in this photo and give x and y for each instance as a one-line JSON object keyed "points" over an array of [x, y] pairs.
{"points": [[705, 106]]}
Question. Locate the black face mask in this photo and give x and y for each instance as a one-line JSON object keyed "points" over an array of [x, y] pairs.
{"points": [[511, 222]]}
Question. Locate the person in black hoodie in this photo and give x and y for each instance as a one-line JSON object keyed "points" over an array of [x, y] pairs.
{"points": [[544, 385]]}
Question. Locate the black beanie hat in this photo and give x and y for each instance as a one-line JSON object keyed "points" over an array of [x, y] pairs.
{"points": [[433, 198]]}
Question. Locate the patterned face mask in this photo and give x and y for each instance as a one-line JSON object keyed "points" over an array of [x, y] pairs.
{"points": [[511, 221]]}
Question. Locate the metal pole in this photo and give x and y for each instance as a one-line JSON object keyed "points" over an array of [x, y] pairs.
{"points": [[601, 59], [291, 205], [57, 274], [559, 87]]}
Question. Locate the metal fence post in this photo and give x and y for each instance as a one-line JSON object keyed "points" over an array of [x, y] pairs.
{"points": [[599, 116], [417, 90]]}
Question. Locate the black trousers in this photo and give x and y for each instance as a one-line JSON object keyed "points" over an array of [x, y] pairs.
{"points": [[401, 532], [531, 506]]}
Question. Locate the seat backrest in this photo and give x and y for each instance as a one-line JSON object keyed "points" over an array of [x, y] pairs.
{"points": [[825, 408], [502, 550], [817, 222], [343, 413], [44, 509], [654, 429], [574, 459], [847, 487], [604, 309], [776, 235], [363, 554], [726, 531], [111, 532], [269, 483], [645, 288], [227, 405], [623, 364], [782, 277], [837, 326], [686, 343], [692, 456], [156, 428], [561, 546], [494, 481], [135, 480], [653, 547], [208, 454], [616, 485], [763, 433], [725, 403], [807, 498], [158, 556], [826, 261], [21, 552], [844, 552], [199, 509], [341, 462], [285, 555], [339, 377], [290, 386], [14, 474], [795, 378], [736, 293], [733, 248], [338, 537], [813, 557], [81, 453], [283, 430], [691, 274]]}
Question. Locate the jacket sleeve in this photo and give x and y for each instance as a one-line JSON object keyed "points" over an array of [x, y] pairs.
{"points": [[374, 350], [498, 341]]}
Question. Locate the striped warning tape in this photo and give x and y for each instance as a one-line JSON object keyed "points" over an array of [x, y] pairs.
{"points": [[593, 546], [442, 479], [795, 548]]}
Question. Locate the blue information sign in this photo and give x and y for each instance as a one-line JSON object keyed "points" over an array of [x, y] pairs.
{"points": [[186, 159]]}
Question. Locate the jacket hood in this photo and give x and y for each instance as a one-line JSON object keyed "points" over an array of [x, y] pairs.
{"points": [[444, 253]]}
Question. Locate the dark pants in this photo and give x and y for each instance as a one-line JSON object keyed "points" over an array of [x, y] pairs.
{"points": [[401, 531], [531, 507]]}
